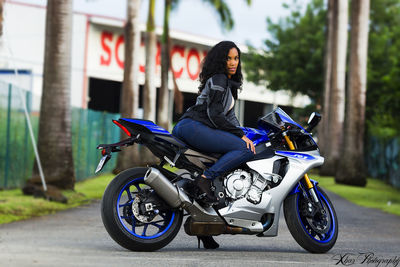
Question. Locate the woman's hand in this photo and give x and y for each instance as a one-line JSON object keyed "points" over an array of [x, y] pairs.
{"points": [[249, 144]]}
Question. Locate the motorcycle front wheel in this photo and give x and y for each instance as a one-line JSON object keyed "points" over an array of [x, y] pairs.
{"points": [[127, 220], [316, 232]]}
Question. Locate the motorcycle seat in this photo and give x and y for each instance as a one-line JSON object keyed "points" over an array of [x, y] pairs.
{"points": [[181, 144]]}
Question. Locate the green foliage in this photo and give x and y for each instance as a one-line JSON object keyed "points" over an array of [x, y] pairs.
{"points": [[376, 194], [293, 59], [224, 13], [383, 93]]}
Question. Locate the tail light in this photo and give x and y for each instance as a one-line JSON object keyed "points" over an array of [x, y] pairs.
{"points": [[122, 127]]}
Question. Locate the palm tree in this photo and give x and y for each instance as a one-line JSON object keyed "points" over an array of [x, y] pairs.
{"points": [[162, 115], [54, 139], [351, 165], [149, 92], [1, 26], [1, 17], [329, 37], [334, 111], [149, 105], [130, 86]]}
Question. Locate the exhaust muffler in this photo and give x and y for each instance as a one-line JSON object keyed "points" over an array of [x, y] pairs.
{"points": [[170, 193], [176, 197]]}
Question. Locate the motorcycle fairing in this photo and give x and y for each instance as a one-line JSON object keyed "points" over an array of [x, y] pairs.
{"points": [[256, 135], [273, 198]]}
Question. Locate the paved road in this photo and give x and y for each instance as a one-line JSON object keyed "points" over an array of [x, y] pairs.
{"points": [[77, 238]]}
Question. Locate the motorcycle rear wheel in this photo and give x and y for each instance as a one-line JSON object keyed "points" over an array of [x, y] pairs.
{"points": [[119, 212], [315, 234]]}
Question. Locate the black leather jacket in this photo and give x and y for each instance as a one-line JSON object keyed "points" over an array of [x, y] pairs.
{"points": [[212, 105]]}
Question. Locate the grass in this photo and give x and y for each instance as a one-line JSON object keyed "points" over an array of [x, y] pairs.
{"points": [[377, 194], [15, 206]]}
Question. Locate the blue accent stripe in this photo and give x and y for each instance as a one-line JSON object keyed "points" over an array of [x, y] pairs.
{"points": [[154, 128]]}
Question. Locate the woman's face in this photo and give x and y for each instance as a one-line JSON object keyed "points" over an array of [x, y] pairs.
{"points": [[232, 62]]}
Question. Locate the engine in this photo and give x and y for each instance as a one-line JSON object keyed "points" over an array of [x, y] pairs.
{"points": [[240, 183], [237, 184]]}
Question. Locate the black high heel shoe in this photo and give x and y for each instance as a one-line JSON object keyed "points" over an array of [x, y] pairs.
{"points": [[208, 242], [204, 185]]}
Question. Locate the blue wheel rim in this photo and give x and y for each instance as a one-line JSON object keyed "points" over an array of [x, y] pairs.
{"points": [[323, 238], [156, 228]]}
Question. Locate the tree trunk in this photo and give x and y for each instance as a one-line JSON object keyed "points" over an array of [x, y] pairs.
{"points": [[179, 98], [351, 166], [149, 103], [1, 17], [54, 140], [323, 136], [129, 157], [163, 99], [2, 52], [149, 112], [334, 130]]}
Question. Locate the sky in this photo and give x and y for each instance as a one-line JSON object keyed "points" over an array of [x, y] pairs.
{"points": [[197, 17]]}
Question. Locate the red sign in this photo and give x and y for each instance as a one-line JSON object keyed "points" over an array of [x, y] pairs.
{"points": [[184, 59]]}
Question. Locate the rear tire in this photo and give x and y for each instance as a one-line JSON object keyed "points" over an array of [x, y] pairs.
{"points": [[302, 228], [124, 226]]}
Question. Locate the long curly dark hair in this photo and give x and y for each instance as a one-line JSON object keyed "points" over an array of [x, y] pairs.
{"points": [[215, 63]]}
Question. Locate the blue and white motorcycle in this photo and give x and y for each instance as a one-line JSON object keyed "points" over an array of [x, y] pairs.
{"points": [[143, 208]]}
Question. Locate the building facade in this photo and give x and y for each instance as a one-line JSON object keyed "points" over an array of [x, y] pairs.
{"points": [[98, 63]]}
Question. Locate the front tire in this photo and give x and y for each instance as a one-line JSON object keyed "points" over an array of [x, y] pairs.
{"points": [[315, 234], [131, 230]]}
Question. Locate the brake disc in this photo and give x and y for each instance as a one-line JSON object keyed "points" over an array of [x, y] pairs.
{"points": [[141, 217], [320, 222]]}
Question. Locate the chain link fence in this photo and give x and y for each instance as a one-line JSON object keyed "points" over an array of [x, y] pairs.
{"points": [[89, 128], [383, 159]]}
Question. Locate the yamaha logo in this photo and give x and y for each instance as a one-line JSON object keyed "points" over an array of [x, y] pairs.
{"points": [[296, 155]]}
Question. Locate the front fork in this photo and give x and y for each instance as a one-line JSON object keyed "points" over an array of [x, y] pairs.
{"points": [[310, 187]]}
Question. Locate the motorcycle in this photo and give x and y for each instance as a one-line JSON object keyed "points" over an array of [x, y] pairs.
{"points": [[143, 208]]}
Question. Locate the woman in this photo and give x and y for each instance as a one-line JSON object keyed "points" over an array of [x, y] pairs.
{"points": [[211, 124]]}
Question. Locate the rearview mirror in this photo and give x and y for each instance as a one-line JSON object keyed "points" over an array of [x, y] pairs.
{"points": [[313, 121]]}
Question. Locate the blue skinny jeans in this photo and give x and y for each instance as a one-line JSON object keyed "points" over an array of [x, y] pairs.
{"points": [[206, 139]]}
